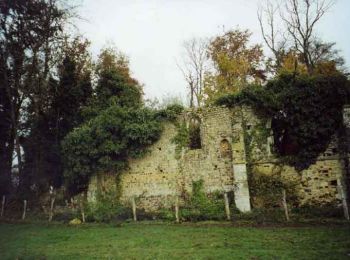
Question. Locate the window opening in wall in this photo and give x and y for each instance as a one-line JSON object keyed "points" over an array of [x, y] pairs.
{"points": [[195, 134], [225, 149]]}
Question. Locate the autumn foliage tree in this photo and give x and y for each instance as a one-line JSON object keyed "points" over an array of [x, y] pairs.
{"points": [[236, 63]]}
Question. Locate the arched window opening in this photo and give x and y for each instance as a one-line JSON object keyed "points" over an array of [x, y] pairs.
{"points": [[225, 149], [195, 133]]}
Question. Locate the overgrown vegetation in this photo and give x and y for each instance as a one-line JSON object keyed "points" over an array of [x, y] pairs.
{"points": [[105, 143], [116, 127], [187, 136], [201, 206], [107, 208], [306, 112], [65, 116], [181, 139], [170, 113], [266, 191]]}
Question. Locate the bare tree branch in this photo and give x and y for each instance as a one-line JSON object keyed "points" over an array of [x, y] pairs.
{"points": [[193, 67], [301, 18]]}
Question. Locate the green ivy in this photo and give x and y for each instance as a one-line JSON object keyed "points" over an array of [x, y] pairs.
{"points": [[106, 142], [107, 208], [306, 112], [266, 190], [170, 113], [181, 139], [199, 206]]}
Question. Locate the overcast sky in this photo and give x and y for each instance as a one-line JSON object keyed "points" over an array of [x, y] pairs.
{"points": [[151, 32]]}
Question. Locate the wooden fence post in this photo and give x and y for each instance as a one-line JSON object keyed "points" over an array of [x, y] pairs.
{"points": [[227, 206], [133, 204], [177, 209], [24, 209], [82, 208], [3, 205], [285, 206], [51, 208]]}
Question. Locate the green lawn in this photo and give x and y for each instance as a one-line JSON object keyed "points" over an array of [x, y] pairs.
{"points": [[168, 241]]}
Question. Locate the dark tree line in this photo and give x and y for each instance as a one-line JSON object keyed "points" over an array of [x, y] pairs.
{"points": [[51, 92], [44, 80]]}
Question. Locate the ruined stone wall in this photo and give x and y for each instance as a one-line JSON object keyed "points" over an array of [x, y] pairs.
{"points": [[207, 163], [162, 175], [153, 179], [318, 184], [156, 179]]}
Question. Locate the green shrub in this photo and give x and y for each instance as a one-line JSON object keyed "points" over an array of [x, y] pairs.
{"points": [[107, 208], [166, 214], [329, 210], [266, 190], [66, 216], [181, 139], [170, 113], [200, 206]]}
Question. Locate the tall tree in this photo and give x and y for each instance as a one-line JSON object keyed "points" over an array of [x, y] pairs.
{"points": [[299, 19], [65, 96], [193, 67], [114, 83], [274, 36], [116, 125], [28, 32], [235, 63]]}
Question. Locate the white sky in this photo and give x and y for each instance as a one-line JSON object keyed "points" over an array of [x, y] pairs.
{"points": [[151, 32]]}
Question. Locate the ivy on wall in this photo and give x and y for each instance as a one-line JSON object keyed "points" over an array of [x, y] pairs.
{"points": [[181, 139], [306, 112], [266, 190], [187, 136], [108, 140], [201, 206]]}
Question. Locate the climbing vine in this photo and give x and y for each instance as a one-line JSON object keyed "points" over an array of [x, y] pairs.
{"points": [[108, 140], [201, 206], [187, 136], [266, 190], [306, 112], [181, 139]]}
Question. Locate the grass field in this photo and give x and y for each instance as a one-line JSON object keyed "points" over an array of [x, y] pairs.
{"points": [[170, 241]]}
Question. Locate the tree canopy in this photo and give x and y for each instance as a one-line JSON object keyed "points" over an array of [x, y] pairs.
{"points": [[306, 112]]}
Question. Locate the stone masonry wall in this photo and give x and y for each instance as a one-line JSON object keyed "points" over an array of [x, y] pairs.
{"points": [[319, 184], [158, 178]]}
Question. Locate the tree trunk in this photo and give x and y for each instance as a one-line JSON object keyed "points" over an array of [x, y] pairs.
{"points": [[343, 146], [7, 145], [3, 205], [5, 168]]}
